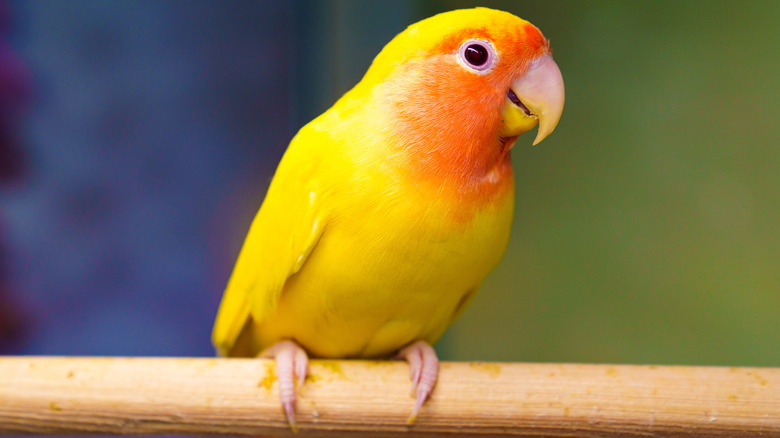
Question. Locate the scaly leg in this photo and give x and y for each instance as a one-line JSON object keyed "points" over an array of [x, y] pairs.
{"points": [[291, 362], [424, 369]]}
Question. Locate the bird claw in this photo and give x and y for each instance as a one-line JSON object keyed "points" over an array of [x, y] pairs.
{"points": [[423, 370], [291, 362]]}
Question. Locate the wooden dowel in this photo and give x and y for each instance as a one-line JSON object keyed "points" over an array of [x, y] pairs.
{"points": [[201, 396]]}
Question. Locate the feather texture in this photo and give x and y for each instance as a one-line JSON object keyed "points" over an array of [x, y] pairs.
{"points": [[386, 212]]}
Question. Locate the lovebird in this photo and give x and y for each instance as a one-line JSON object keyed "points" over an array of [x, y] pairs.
{"points": [[387, 211]]}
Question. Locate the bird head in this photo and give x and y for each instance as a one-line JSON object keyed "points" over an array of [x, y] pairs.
{"points": [[459, 87], [472, 69]]}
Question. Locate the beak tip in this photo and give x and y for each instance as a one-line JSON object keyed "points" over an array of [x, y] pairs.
{"points": [[546, 127], [538, 139]]}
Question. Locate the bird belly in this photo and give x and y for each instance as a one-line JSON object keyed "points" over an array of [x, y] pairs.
{"points": [[383, 277]]}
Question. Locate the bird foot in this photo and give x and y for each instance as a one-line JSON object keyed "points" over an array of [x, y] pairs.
{"points": [[291, 362], [424, 371]]}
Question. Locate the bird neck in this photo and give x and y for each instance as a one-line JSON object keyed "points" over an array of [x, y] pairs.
{"points": [[444, 138]]}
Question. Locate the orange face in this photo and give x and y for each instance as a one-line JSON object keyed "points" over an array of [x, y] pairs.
{"points": [[447, 115]]}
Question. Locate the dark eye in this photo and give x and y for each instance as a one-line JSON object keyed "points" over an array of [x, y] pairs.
{"points": [[476, 55]]}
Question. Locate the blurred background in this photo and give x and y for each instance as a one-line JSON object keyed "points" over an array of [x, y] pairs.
{"points": [[138, 139]]}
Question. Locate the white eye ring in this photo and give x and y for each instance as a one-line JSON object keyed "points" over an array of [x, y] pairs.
{"points": [[478, 56]]}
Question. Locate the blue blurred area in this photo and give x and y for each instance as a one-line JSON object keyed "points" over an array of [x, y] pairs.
{"points": [[155, 128]]}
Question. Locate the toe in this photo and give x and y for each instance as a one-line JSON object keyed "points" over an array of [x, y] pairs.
{"points": [[291, 362], [415, 359], [301, 367], [424, 366]]}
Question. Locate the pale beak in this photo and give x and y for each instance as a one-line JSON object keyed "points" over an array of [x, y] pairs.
{"points": [[535, 97]]}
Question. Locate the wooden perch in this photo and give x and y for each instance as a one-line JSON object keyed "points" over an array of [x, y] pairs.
{"points": [[184, 396]]}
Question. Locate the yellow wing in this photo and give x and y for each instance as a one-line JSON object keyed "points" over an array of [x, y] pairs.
{"points": [[282, 235]]}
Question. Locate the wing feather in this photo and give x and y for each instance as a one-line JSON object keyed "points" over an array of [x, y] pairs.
{"points": [[285, 230]]}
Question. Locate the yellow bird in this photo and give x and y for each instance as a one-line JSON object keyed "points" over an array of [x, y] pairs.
{"points": [[387, 211]]}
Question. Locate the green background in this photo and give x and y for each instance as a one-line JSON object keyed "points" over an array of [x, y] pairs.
{"points": [[647, 227]]}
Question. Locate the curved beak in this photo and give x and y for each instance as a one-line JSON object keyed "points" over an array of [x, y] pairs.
{"points": [[535, 97]]}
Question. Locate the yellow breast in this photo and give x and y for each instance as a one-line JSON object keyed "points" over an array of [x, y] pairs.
{"points": [[398, 260]]}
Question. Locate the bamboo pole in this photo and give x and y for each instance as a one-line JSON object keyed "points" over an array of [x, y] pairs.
{"points": [[189, 396]]}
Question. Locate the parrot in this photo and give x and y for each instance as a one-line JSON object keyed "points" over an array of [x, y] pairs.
{"points": [[387, 211]]}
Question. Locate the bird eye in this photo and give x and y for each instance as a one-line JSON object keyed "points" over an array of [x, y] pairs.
{"points": [[478, 56]]}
